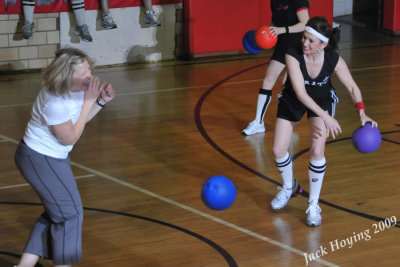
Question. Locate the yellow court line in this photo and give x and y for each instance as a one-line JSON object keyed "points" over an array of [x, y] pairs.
{"points": [[22, 185]]}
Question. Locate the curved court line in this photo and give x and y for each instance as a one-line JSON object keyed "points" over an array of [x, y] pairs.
{"points": [[228, 258], [190, 209], [361, 214], [225, 154]]}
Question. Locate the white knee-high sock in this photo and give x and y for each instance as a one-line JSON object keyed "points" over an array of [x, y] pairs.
{"points": [[286, 170], [264, 98], [316, 172], [29, 7], [78, 6]]}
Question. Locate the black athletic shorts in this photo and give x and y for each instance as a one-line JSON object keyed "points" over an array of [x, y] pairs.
{"points": [[293, 110]]}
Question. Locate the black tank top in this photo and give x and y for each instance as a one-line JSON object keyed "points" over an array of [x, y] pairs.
{"points": [[319, 88]]}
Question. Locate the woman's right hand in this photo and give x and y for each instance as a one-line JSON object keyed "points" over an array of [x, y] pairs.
{"points": [[332, 126], [93, 91]]}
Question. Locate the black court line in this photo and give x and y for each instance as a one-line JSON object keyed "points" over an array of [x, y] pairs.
{"points": [[197, 115], [17, 256], [228, 258]]}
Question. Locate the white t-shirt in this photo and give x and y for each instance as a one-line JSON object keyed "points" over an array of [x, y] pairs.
{"points": [[48, 110]]}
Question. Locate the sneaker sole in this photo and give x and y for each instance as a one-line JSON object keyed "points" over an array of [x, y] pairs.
{"points": [[314, 224], [244, 133], [149, 23], [109, 28], [85, 40]]}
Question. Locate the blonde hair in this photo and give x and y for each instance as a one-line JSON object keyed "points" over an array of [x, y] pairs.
{"points": [[57, 77]]}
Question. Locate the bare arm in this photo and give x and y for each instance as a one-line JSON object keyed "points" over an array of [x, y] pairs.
{"points": [[303, 16], [297, 80], [344, 75]]}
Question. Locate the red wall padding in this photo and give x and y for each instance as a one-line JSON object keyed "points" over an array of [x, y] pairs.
{"points": [[61, 6], [391, 15], [219, 25]]}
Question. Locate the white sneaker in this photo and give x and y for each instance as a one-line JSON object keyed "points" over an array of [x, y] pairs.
{"points": [[284, 195], [253, 128], [313, 214], [107, 21], [27, 30], [150, 17]]}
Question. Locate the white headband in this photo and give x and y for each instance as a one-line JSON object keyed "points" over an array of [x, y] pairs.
{"points": [[317, 34]]}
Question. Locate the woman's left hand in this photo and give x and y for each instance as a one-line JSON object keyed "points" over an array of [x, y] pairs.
{"points": [[275, 31], [107, 92]]}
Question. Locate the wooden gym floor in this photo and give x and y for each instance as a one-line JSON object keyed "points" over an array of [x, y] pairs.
{"points": [[141, 163]]}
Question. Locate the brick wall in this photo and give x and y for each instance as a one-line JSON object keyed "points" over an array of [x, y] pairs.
{"points": [[17, 53]]}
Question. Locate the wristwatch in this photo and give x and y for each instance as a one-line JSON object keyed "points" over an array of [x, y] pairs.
{"points": [[101, 102]]}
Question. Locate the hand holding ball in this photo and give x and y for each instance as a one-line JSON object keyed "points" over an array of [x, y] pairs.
{"points": [[265, 38], [254, 41]]}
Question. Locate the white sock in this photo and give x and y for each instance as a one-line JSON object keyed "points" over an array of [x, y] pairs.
{"points": [[264, 98], [316, 172], [78, 6], [285, 168], [29, 8]]}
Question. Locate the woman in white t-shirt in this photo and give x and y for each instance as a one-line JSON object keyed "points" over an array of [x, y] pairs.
{"points": [[70, 97]]}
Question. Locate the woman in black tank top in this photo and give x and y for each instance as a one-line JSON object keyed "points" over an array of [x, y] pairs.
{"points": [[288, 20], [308, 89]]}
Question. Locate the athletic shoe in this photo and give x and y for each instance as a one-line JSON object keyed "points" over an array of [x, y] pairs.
{"points": [[284, 195], [253, 128], [313, 214], [27, 30], [83, 32], [108, 22], [150, 17]]}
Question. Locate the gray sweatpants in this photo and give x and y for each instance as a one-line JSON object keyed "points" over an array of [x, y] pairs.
{"points": [[57, 233]]}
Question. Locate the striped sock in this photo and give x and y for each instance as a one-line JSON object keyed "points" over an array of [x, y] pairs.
{"points": [[285, 169], [316, 172], [78, 6], [29, 7]]}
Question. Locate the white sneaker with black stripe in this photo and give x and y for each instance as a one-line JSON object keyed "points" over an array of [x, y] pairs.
{"points": [[253, 128]]}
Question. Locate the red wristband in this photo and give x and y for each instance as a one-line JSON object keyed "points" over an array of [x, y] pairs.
{"points": [[360, 106]]}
